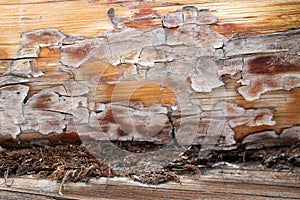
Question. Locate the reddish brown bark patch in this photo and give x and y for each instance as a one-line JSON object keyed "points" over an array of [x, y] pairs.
{"points": [[43, 102], [46, 37], [144, 24], [272, 65]]}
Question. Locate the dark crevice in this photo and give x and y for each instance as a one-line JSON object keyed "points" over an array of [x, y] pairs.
{"points": [[173, 127], [56, 111], [15, 59], [13, 84]]}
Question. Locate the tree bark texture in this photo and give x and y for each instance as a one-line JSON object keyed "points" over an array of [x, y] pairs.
{"points": [[203, 73]]}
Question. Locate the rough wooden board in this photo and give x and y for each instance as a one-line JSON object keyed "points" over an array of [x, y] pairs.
{"points": [[221, 184]]}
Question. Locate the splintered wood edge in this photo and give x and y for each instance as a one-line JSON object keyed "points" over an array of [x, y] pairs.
{"points": [[221, 183]]}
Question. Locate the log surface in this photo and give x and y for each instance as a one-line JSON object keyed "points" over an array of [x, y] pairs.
{"points": [[150, 71], [208, 73]]}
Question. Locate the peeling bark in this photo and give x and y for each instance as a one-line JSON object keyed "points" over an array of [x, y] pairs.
{"points": [[188, 15], [24, 68], [260, 136], [75, 54], [134, 85], [42, 38], [251, 117], [11, 109], [10, 80], [205, 77], [293, 132], [271, 63], [144, 124]]}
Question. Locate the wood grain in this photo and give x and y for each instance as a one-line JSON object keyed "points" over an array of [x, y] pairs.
{"points": [[88, 18], [221, 184]]}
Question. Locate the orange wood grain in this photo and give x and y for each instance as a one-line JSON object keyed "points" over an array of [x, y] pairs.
{"points": [[88, 18]]}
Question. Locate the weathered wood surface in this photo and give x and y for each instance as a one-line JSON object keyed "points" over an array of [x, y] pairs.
{"points": [[88, 17], [202, 73], [151, 71], [220, 184]]}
